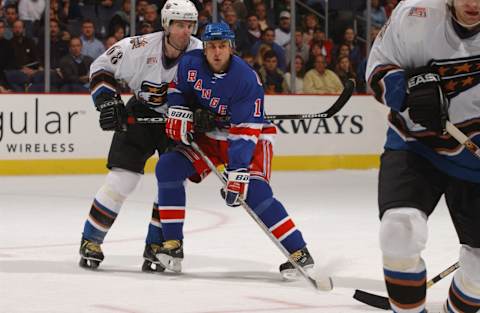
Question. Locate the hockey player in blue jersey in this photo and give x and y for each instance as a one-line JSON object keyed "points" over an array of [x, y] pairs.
{"points": [[221, 84], [425, 66]]}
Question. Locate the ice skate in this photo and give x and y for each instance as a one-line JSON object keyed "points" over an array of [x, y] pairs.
{"points": [[303, 258], [91, 254], [170, 255], [151, 262]]}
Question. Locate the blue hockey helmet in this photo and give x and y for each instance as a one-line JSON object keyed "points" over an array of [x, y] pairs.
{"points": [[218, 31]]}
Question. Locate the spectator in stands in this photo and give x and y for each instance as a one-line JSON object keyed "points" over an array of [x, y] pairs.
{"points": [[327, 44], [362, 67], [342, 50], [282, 32], [378, 15], [103, 14], [110, 41], [91, 46], [224, 6], [145, 28], [321, 80], [58, 45], [121, 18], [264, 19], [249, 58], [140, 11], [119, 33], [344, 70], [301, 48], [268, 38], [299, 75], [356, 51], [389, 6], [6, 57], [204, 18], [58, 49], [310, 24], [316, 49], [25, 62], [75, 68], [30, 12], [240, 29], [151, 17], [59, 12], [11, 16], [254, 31], [271, 76], [259, 56]]}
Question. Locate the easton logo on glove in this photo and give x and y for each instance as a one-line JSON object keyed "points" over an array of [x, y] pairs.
{"points": [[422, 79]]}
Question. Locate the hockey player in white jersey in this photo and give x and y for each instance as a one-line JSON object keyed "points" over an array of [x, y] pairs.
{"points": [[148, 64], [425, 66]]}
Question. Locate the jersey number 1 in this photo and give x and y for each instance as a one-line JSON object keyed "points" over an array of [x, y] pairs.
{"points": [[258, 108]]}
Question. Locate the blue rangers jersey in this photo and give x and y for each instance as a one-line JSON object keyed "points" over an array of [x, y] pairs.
{"points": [[421, 32], [235, 96]]}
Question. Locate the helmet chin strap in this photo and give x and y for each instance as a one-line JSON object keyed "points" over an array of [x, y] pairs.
{"points": [[174, 47]]}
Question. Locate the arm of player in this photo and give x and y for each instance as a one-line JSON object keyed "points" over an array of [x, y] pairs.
{"points": [[385, 74], [105, 71], [246, 117], [180, 116]]}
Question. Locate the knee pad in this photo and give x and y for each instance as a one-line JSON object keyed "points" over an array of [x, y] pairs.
{"points": [[403, 235], [173, 167], [470, 268], [120, 183]]}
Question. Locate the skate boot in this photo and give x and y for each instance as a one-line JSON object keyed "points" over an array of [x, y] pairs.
{"points": [[151, 262], [170, 255], [303, 258], [91, 254]]}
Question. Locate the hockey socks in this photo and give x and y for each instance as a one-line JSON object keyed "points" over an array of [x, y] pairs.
{"points": [[407, 289], [154, 235], [459, 300], [98, 222], [274, 216]]}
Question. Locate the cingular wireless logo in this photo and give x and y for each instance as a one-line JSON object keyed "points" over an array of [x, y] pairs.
{"points": [[37, 131]]}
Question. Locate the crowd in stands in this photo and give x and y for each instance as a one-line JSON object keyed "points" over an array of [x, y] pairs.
{"points": [[81, 30]]}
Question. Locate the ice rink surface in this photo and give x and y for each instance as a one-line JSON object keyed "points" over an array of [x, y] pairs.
{"points": [[230, 265]]}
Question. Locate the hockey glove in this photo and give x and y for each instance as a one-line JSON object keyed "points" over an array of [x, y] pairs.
{"points": [[236, 186], [427, 104], [179, 123], [204, 121], [113, 115]]}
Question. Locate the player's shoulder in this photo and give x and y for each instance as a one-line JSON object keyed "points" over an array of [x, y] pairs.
{"points": [[420, 10], [192, 57], [195, 43], [243, 73], [138, 44]]}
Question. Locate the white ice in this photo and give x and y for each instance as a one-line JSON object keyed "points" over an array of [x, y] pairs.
{"points": [[230, 265]]}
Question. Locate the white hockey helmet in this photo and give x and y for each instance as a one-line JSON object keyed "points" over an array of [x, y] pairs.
{"points": [[179, 10]]}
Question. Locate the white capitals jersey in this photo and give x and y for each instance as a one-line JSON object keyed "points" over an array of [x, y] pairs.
{"points": [[140, 62], [420, 33]]}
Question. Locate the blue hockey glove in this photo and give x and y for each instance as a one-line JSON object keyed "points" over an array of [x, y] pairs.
{"points": [[236, 186]]}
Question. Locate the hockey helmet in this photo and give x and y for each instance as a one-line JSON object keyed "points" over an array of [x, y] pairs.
{"points": [[218, 31], [179, 10]]}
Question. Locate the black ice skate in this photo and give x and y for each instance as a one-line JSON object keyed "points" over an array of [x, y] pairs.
{"points": [[151, 262], [91, 254], [303, 258], [170, 255]]}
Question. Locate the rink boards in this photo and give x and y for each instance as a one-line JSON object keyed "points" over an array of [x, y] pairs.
{"points": [[59, 134]]}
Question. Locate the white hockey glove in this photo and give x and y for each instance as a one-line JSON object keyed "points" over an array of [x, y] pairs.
{"points": [[179, 123], [236, 186]]}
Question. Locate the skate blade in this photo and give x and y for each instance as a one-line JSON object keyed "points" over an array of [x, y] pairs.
{"points": [[293, 274], [170, 263], [90, 264], [152, 267]]}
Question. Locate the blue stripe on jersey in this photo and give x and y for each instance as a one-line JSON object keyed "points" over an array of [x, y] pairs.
{"points": [[395, 87]]}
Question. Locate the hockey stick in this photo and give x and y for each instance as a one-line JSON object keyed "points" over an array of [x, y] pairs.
{"points": [[381, 302], [337, 106], [462, 138], [325, 284]]}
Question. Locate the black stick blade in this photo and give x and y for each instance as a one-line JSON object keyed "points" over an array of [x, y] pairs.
{"points": [[370, 299]]}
